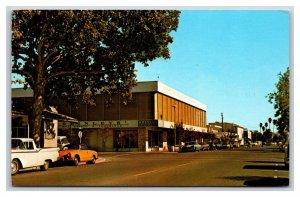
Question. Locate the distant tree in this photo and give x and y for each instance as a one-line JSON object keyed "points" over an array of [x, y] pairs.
{"points": [[280, 99], [267, 135], [274, 123], [266, 125], [259, 136], [256, 136], [260, 126], [270, 121], [276, 138], [72, 54]]}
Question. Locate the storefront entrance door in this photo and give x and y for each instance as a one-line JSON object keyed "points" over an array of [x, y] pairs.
{"points": [[155, 139]]}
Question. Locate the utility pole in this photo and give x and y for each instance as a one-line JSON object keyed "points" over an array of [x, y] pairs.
{"points": [[174, 125], [222, 122]]}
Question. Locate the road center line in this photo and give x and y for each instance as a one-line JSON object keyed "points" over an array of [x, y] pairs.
{"points": [[145, 173], [120, 155], [152, 171]]}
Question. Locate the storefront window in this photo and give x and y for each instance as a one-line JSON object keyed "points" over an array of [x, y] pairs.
{"points": [[126, 139], [18, 132]]}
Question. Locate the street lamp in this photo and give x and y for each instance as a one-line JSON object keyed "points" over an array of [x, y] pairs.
{"points": [[174, 125], [80, 134]]}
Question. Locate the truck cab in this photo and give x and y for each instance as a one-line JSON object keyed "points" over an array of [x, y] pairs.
{"points": [[25, 154]]}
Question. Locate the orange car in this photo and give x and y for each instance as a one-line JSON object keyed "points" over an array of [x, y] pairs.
{"points": [[78, 153]]}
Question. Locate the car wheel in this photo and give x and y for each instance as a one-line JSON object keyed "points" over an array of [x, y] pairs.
{"points": [[15, 166], [45, 166], [76, 160], [93, 161]]}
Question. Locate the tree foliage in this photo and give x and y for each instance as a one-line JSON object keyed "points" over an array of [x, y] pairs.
{"points": [[257, 136], [267, 135], [68, 54], [280, 99], [72, 51]]}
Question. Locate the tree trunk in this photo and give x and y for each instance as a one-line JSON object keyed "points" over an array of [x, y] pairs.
{"points": [[38, 95], [36, 119]]}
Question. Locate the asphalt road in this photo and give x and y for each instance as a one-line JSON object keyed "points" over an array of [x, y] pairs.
{"points": [[229, 168]]}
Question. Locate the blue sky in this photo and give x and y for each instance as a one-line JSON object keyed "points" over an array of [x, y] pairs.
{"points": [[228, 60]]}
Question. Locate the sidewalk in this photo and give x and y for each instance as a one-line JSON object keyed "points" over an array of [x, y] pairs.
{"points": [[133, 152]]}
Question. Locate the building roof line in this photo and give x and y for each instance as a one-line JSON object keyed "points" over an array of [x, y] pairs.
{"points": [[156, 86], [143, 86]]}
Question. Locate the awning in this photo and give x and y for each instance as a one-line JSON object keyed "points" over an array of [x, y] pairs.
{"points": [[16, 114], [59, 117]]}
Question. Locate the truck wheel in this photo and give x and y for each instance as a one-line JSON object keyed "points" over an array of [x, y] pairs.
{"points": [[76, 160], [45, 166], [15, 166]]}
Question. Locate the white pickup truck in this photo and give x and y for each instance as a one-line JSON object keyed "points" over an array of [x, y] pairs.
{"points": [[25, 154]]}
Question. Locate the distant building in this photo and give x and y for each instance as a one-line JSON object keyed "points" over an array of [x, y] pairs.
{"points": [[233, 133]]}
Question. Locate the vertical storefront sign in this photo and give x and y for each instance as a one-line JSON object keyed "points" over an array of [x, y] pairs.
{"points": [[50, 133]]}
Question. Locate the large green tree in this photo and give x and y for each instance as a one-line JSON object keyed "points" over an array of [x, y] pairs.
{"points": [[280, 99], [68, 54]]}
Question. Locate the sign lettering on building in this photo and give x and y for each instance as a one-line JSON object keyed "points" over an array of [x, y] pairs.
{"points": [[100, 124], [148, 123], [125, 124]]}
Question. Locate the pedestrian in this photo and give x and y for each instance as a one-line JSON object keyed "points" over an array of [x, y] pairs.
{"points": [[117, 145]]}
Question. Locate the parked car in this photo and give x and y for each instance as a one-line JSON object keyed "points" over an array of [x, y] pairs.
{"points": [[218, 146], [191, 146], [222, 146], [226, 146], [62, 142], [204, 147], [78, 153], [25, 154], [212, 146]]}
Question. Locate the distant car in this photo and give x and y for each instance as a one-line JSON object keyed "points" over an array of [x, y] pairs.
{"points": [[191, 146], [204, 147], [222, 146], [78, 153], [218, 146], [212, 146]]}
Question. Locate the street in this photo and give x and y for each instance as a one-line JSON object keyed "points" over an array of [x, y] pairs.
{"points": [[255, 166]]}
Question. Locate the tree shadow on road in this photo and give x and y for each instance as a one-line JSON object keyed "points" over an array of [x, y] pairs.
{"points": [[259, 181], [276, 162], [265, 167], [262, 150]]}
